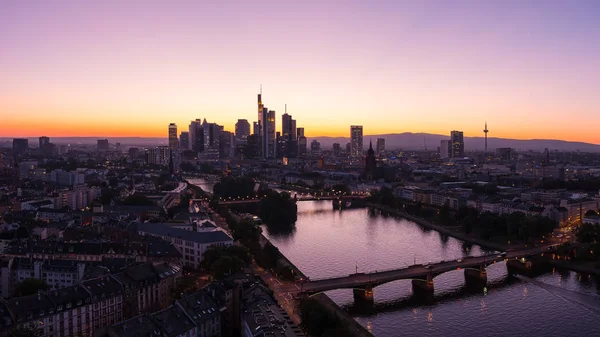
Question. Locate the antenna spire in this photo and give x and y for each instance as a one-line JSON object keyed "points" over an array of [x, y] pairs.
{"points": [[261, 88], [286, 108]]}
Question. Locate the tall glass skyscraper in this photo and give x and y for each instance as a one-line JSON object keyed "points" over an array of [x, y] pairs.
{"points": [[458, 144], [356, 141]]}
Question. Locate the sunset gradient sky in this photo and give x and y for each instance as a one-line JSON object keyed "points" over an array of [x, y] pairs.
{"points": [[129, 68]]}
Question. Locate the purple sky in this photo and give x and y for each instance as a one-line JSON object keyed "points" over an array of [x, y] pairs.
{"points": [[530, 68]]}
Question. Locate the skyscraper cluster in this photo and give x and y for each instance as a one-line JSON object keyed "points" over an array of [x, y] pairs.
{"points": [[266, 141], [258, 139]]}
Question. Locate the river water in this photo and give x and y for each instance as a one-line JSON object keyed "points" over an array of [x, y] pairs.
{"points": [[328, 243]]}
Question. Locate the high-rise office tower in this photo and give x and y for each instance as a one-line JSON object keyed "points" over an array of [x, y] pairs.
{"points": [[315, 148], [212, 133], [286, 124], [289, 142], [300, 132], [356, 141], [293, 135], [380, 146], [337, 149], [242, 131], [20, 145], [271, 133], [264, 133], [485, 131], [163, 155], [44, 141], [173, 141], [302, 144], [445, 149], [102, 144], [196, 131], [226, 144], [256, 128], [184, 140], [458, 144]]}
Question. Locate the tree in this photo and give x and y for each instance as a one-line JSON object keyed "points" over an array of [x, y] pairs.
{"points": [[230, 187], [226, 265], [278, 210], [444, 213], [138, 200], [22, 232], [214, 253], [31, 286], [588, 232]]}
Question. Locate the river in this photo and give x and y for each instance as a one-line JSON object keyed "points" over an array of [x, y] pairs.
{"points": [[329, 243]]}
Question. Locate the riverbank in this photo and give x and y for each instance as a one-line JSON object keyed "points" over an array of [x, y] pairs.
{"points": [[350, 324], [579, 267], [441, 229]]}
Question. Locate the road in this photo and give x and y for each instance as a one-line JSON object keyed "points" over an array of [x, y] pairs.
{"points": [[284, 291]]}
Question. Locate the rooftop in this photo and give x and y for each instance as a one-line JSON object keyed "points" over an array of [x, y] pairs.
{"points": [[198, 237]]}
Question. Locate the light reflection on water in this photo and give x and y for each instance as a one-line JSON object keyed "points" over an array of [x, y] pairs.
{"points": [[330, 243]]}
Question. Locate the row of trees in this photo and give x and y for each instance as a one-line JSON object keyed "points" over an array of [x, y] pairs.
{"points": [[235, 187], [248, 233], [514, 226]]}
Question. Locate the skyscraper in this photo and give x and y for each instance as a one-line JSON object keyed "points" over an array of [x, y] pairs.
{"points": [[184, 140], [336, 149], [102, 144], [356, 141], [300, 132], [173, 142], [458, 144], [380, 146], [302, 144], [20, 145], [288, 143], [271, 133], [44, 141], [256, 128], [212, 133], [315, 148], [242, 131], [196, 130], [445, 149]]}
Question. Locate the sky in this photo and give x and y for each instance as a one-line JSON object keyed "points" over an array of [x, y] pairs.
{"points": [[531, 69]]}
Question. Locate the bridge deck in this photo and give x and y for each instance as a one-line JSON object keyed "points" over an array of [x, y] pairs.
{"points": [[412, 272]]}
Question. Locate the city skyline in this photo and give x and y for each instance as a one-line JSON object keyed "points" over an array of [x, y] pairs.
{"points": [[98, 72]]}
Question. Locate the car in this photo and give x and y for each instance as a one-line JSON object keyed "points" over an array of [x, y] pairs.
{"points": [[459, 260], [503, 254], [428, 266]]}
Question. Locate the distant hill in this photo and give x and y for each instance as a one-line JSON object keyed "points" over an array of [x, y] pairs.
{"points": [[125, 141], [406, 141], [414, 141]]}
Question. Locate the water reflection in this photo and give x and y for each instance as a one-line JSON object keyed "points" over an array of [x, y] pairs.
{"points": [[330, 243]]}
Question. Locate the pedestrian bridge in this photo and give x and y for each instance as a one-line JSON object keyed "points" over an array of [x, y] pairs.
{"points": [[421, 275]]}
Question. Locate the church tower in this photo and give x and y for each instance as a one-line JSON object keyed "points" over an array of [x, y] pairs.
{"points": [[370, 163]]}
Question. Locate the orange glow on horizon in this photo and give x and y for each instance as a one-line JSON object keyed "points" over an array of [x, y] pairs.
{"points": [[154, 130]]}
